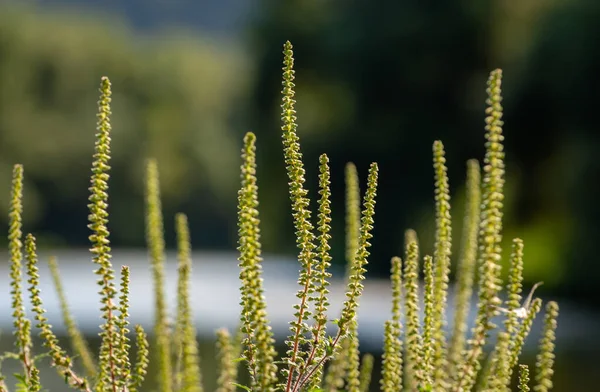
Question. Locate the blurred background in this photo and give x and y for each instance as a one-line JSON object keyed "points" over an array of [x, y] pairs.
{"points": [[376, 81]]}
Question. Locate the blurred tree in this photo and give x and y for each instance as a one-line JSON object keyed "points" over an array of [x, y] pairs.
{"points": [[174, 100], [380, 81], [554, 112], [375, 82]]}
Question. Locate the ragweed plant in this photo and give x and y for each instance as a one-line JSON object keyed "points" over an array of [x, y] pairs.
{"points": [[112, 370], [322, 349]]}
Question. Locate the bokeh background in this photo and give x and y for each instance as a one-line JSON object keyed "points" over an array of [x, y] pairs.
{"points": [[376, 81]]}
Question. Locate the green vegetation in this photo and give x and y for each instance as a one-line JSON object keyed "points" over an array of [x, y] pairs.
{"points": [[175, 103], [322, 354]]}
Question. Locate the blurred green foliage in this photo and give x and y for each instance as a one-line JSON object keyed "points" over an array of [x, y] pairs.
{"points": [[379, 81], [376, 82], [174, 100]]}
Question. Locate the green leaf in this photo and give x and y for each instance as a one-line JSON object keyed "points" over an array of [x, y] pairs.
{"points": [[241, 386]]}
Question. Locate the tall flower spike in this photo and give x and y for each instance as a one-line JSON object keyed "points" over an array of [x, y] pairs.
{"points": [[21, 324], [355, 286], [485, 374], [490, 236], [394, 355], [142, 359], [391, 363], [523, 378], [411, 236], [441, 259], [227, 367], [352, 214], [523, 332], [321, 274], [515, 285], [258, 341], [466, 266], [100, 243], [191, 377], [354, 290], [353, 359], [396, 278], [336, 373], [366, 372], [499, 375], [60, 360], [500, 370], [249, 253], [78, 342], [34, 383], [122, 350], [349, 353], [428, 323], [545, 358], [23, 341], [411, 303], [156, 246], [304, 229]]}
